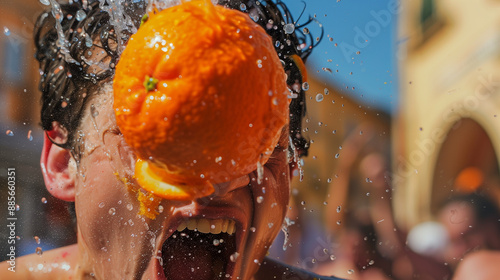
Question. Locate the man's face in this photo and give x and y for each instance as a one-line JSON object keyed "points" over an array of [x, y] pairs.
{"points": [[117, 243]]}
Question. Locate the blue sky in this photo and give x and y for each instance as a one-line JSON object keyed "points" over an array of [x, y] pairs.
{"points": [[367, 27]]}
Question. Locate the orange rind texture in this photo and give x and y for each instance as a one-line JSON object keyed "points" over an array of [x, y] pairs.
{"points": [[201, 97]]}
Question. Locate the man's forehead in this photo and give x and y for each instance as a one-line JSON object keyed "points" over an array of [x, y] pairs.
{"points": [[100, 106]]}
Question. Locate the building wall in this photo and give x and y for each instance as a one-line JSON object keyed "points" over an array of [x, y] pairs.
{"points": [[450, 73]]}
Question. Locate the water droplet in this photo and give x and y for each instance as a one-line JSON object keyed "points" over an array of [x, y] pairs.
{"points": [[270, 225], [260, 199], [260, 172], [305, 30], [130, 222], [44, 200], [326, 91], [253, 229], [216, 242], [337, 155], [305, 86], [243, 7], [9, 132], [319, 97], [88, 41], [334, 131], [234, 256], [332, 257], [101, 205], [45, 2], [29, 136], [339, 222], [112, 211], [160, 209], [37, 239], [339, 208], [39, 251], [6, 31], [350, 271], [302, 202], [326, 69], [289, 28], [130, 207], [80, 15], [93, 111], [275, 101], [17, 207], [329, 180], [371, 262]]}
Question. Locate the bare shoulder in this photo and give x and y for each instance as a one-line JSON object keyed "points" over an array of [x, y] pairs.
{"points": [[272, 269], [54, 264], [479, 265]]}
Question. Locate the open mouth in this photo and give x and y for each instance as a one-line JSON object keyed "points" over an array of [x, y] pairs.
{"points": [[200, 249]]}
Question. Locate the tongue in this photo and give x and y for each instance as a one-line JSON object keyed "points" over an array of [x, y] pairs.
{"points": [[192, 255]]}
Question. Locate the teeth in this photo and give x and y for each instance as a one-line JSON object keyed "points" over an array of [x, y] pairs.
{"points": [[209, 226], [231, 228], [191, 224], [182, 226], [203, 226], [216, 226], [224, 225]]}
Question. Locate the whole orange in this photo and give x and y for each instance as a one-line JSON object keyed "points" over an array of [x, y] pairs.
{"points": [[201, 96]]}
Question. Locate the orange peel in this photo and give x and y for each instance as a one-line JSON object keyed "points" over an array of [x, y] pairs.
{"points": [[200, 95]]}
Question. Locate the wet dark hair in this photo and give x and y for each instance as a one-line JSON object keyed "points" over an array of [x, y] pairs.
{"points": [[67, 86]]}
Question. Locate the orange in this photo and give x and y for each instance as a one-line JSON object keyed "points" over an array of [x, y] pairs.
{"points": [[201, 97]]}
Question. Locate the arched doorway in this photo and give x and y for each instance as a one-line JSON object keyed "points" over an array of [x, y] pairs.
{"points": [[467, 147]]}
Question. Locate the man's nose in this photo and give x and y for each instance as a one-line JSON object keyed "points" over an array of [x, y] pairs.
{"points": [[222, 189]]}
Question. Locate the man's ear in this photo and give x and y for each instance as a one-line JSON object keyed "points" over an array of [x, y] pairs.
{"points": [[58, 167]]}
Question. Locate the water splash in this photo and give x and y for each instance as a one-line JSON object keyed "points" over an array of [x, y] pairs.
{"points": [[121, 21], [62, 43], [284, 228], [260, 171], [296, 159]]}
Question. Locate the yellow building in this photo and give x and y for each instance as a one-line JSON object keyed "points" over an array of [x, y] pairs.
{"points": [[449, 115]]}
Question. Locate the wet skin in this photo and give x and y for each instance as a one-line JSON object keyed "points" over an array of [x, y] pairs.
{"points": [[114, 242]]}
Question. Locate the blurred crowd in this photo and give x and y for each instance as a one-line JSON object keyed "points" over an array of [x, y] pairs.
{"points": [[357, 236]]}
